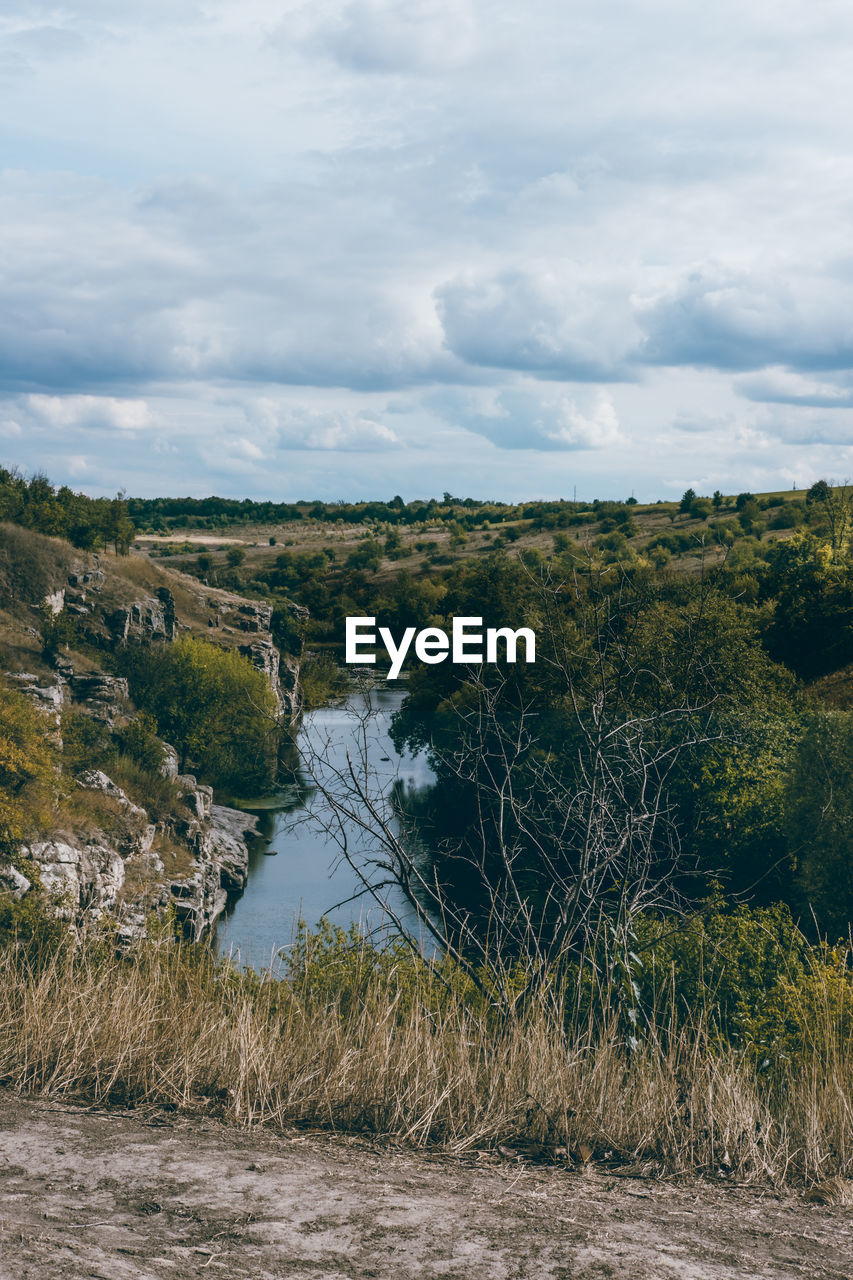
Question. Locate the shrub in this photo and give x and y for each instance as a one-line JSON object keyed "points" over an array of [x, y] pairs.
{"points": [[214, 706], [139, 740], [27, 764]]}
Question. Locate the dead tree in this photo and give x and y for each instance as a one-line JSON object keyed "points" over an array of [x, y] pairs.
{"points": [[564, 849]]}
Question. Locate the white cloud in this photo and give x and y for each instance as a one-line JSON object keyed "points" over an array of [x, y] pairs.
{"points": [[606, 243], [386, 36], [525, 417], [89, 411]]}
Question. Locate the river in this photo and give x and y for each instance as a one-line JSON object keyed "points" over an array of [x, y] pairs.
{"points": [[296, 871]]}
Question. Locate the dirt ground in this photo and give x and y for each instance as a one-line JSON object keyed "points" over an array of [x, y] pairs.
{"points": [[114, 1195]]}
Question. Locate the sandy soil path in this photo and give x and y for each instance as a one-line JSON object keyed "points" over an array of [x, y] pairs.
{"points": [[116, 1196]]}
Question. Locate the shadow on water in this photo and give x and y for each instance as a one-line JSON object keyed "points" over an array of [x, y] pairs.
{"points": [[294, 866]]}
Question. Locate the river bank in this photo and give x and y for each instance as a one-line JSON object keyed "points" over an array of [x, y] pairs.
{"points": [[296, 872]]}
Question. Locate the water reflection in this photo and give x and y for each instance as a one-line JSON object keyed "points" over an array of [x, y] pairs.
{"points": [[306, 877]]}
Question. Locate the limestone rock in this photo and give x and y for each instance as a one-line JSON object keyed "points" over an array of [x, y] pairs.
{"points": [[101, 696], [84, 881], [150, 619], [13, 881], [169, 767]]}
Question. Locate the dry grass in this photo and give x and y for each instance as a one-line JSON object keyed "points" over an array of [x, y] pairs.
{"points": [[382, 1046]]}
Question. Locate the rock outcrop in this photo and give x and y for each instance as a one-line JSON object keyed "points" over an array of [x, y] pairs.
{"points": [[101, 696], [145, 621], [113, 860], [152, 618], [46, 696], [125, 867]]}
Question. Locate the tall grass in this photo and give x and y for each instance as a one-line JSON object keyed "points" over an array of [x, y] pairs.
{"points": [[358, 1040]]}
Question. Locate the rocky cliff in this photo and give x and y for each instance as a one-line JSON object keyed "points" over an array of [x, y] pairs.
{"points": [[111, 857], [111, 610]]}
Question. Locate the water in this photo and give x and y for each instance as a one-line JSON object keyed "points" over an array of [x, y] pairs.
{"points": [[307, 878]]}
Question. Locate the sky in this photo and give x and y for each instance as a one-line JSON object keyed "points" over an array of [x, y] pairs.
{"points": [[353, 248]]}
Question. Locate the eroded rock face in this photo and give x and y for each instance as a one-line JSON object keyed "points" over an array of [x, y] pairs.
{"points": [[14, 882], [148, 620], [119, 874], [102, 697], [83, 880]]}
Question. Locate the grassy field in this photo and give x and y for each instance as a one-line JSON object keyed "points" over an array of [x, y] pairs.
{"points": [[356, 1040]]}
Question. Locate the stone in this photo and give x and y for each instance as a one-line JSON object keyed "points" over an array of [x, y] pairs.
{"points": [[103, 697], [13, 881], [46, 698], [153, 618], [169, 767]]}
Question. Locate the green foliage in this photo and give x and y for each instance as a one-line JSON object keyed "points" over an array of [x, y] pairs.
{"points": [[139, 740], [321, 679], [214, 706], [57, 630], [819, 821], [86, 522], [86, 743], [27, 770], [742, 969], [701, 508], [812, 592], [29, 925]]}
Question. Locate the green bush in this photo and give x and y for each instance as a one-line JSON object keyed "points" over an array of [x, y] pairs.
{"points": [[215, 708], [139, 740], [27, 761], [735, 967]]}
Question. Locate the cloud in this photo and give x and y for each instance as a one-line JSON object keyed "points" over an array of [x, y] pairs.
{"points": [[99, 412], [420, 37], [781, 386], [302, 428], [551, 323], [806, 426], [189, 282], [741, 320], [521, 418], [612, 239]]}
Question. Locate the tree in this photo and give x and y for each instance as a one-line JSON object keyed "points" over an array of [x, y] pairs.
{"points": [[556, 820], [118, 528], [749, 514], [215, 708], [835, 505], [687, 499], [27, 769], [819, 821], [812, 593]]}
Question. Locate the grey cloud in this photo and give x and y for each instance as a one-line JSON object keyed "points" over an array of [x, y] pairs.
{"points": [[384, 36], [780, 386], [807, 427], [544, 323], [525, 418], [745, 320], [189, 282], [695, 422]]}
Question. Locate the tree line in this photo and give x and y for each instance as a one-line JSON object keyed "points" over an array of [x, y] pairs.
{"points": [[88, 523]]}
